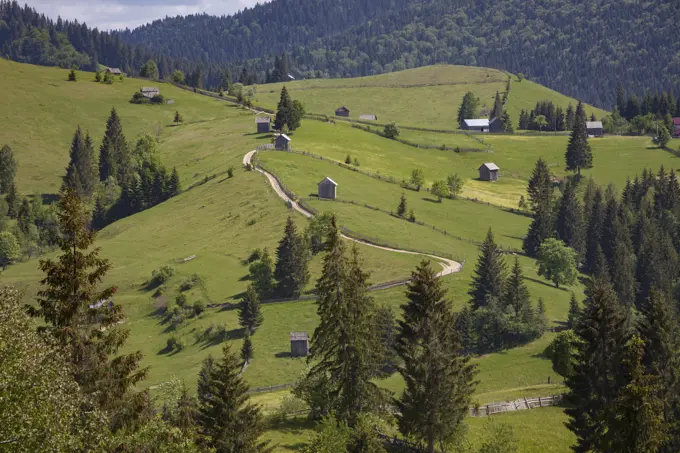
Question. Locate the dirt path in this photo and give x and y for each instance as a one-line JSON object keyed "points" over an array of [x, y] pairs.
{"points": [[449, 266]]}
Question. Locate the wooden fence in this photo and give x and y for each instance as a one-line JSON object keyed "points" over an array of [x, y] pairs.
{"points": [[513, 406]]}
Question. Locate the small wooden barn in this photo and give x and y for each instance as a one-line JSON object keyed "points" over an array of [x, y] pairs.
{"points": [[496, 126], [342, 111], [150, 92], [282, 142], [676, 128], [369, 117], [328, 189], [263, 124], [594, 128], [488, 172], [299, 344], [476, 125], [114, 71]]}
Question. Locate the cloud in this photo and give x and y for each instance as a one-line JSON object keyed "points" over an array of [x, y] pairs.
{"points": [[118, 14]]}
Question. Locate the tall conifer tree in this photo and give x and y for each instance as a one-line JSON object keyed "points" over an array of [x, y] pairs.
{"points": [[579, 155], [570, 227], [594, 232], [114, 153], [497, 108], [250, 315], [291, 271], [517, 296], [489, 275], [439, 378], [81, 173]]}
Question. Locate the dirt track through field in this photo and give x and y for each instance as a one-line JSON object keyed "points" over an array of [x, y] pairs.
{"points": [[449, 266]]}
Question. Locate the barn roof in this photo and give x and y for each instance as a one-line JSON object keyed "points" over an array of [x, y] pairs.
{"points": [[342, 108], [149, 90], [115, 71], [329, 180], [262, 119], [490, 166], [297, 336], [285, 137], [493, 120], [594, 125], [368, 117], [477, 123]]}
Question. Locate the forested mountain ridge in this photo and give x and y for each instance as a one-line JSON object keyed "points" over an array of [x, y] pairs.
{"points": [[579, 48]]}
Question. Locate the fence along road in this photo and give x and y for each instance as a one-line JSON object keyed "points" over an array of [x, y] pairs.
{"points": [[449, 266]]}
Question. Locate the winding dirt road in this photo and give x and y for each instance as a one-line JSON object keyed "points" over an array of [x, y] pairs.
{"points": [[449, 266]]}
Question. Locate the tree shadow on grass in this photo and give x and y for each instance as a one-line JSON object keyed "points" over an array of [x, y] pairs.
{"points": [[283, 355], [431, 200], [549, 285]]}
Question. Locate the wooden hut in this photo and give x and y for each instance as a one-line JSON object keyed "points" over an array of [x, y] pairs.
{"points": [[114, 71], [594, 128], [369, 117], [478, 125], [150, 92], [299, 344], [676, 128], [328, 189], [282, 142], [488, 172], [342, 111], [263, 124]]}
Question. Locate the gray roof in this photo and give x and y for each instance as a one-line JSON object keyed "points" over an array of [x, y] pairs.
{"points": [[490, 165], [477, 123], [342, 108], [149, 90], [368, 117], [114, 71], [594, 125], [328, 179], [262, 119], [285, 136], [297, 336]]}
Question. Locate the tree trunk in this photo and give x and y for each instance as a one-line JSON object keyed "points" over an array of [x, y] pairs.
{"points": [[430, 445]]}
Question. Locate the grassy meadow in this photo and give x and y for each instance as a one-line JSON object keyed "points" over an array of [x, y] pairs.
{"points": [[426, 97]]}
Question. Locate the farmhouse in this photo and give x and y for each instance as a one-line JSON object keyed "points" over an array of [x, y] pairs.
{"points": [[342, 111], [114, 71], [594, 128], [263, 124], [479, 125], [299, 344], [495, 125], [488, 172], [150, 92], [282, 142], [676, 128], [369, 117], [328, 189]]}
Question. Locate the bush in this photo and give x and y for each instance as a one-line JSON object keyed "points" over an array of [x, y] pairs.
{"points": [[290, 407], [222, 332], [230, 172], [160, 276], [158, 99], [199, 308], [181, 300], [190, 283], [348, 159], [138, 98], [356, 162], [175, 344]]}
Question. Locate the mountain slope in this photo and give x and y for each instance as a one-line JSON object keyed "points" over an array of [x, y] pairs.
{"points": [[580, 48]]}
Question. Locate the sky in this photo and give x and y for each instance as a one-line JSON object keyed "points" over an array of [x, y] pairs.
{"points": [[118, 14]]}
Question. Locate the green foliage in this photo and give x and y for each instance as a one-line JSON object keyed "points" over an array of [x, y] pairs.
{"points": [[9, 249], [440, 189], [156, 436], [178, 118], [401, 209], [417, 178], [500, 437], [332, 437], [574, 312], [178, 77], [663, 137], [455, 184], [468, 108], [291, 272], [262, 275], [579, 153], [160, 276], [114, 153], [570, 226], [230, 172], [81, 173], [72, 75], [289, 113], [348, 159], [561, 352], [489, 276], [250, 315], [391, 131], [318, 231], [8, 169], [557, 262], [157, 99], [247, 352], [149, 70]]}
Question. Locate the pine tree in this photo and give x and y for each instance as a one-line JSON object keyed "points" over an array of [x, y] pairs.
{"points": [[497, 108], [489, 275], [262, 275], [611, 229], [81, 173], [70, 287], [8, 169], [516, 295], [227, 421], [507, 123], [284, 110], [579, 155], [401, 209], [114, 154], [291, 272], [570, 227], [12, 200], [174, 186], [468, 108], [250, 315], [540, 188], [594, 231], [594, 385], [540, 229], [439, 379], [178, 118], [99, 215], [623, 268], [574, 312], [247, 348], [570, 118]]}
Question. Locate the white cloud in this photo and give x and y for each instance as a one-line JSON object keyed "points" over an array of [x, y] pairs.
{"points": [[117, 14]]}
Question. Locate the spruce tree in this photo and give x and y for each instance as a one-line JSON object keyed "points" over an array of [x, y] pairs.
{"points": [[468, 108], [284, 110], [81, 173], [12, 200], [114, 153], [574, 312], [401, 209], [579, 155], [595, 383], [8, 169], [517, 297], [570, 226], [262, 275], [540, 229], [174, 186], [227, 421], [439, 380], [594, 231], [540, 187], [250, 312], [70, 288], [611, 228], [489, 275], [497, 108], [570, 118], [247, 352], [291, 272], [622, 268]]}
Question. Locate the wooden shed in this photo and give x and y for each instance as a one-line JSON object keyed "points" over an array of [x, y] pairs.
{"points": [[478, 125], [282, 142], [328, 189], [594, 128], [150, 92], [263, 124], [114, 71], [299, 344], [369, 117], [676, 128], [488, 172], [342, 111]]}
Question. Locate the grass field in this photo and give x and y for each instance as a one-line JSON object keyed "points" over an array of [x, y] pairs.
{"points": [[423, 97]]}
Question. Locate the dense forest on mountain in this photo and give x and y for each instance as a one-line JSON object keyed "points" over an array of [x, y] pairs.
{"points": [[580, 48]]}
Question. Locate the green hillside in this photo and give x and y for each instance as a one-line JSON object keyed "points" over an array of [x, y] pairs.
{"points": [[427, 97]]}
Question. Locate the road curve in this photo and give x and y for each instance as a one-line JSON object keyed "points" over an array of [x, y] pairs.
{"points": [[449, 266]]}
